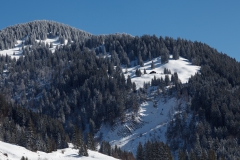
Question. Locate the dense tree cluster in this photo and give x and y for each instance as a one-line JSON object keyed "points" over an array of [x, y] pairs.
{"points": [[213, 99], [116, 152], [162, 83], [210, 155], [153, 150], [31, 130], [86, 89], [40, 30]]}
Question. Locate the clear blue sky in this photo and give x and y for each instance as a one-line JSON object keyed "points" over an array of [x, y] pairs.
{"points": [[215, 22]]}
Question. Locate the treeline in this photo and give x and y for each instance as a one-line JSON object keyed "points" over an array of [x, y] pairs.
{"points": [[210, 155], [115, 152], [153, 150], [31, 130]]}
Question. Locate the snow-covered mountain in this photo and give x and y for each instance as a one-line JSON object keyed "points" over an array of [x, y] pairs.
{"points": [[14, 152], [74, 81]]}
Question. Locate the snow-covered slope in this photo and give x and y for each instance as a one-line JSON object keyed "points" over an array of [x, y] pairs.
{"points": [[150, 123], [14, 152], [16, 52], [54, 41], [182, 66]]}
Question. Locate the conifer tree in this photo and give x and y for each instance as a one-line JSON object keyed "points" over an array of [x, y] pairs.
{"points": [[152, 65], [140, 155], [181, 155], [129, 82], [212, 155], [90, 142], [83, 150], [144, 71]]}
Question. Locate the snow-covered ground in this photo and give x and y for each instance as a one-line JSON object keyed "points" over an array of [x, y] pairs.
{"points": [[16, 52], [182, 66], [55, 42], [150, 123], [15, 152]]}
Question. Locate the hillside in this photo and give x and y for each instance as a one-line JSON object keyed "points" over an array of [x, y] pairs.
{"points": [[14, 152], [60, 85], [150, 123], [39, 30]]}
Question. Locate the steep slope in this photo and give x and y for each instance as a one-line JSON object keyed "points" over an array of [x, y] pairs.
{"points": [[150, 123]]}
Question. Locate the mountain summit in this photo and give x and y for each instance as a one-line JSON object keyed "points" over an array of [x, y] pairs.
{"points": [[39, 30]]}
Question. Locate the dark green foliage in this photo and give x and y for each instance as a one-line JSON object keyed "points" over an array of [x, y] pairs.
{"points": [[166, 71], [39, 30], [154, 150], [140, 154], [140, 61], [175, 52], [212, 155], [116, 152], [182, 155], [23, 158], [105, 148], [129, 82], [138, 73], [144, 71], [164, 57], [72, 86], [167, 80], [31, 130], [83, 150], [90, 142], [152, 65]]}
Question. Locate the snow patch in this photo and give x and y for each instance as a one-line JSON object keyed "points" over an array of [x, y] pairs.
{"points": [[15, 52]]}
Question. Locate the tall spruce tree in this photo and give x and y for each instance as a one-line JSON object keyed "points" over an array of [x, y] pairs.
{"points": [[140, 154]]}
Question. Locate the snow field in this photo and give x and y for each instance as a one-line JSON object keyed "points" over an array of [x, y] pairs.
{"points": [[154, 120], [182, 66], [16, 52], [15, 152]]}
